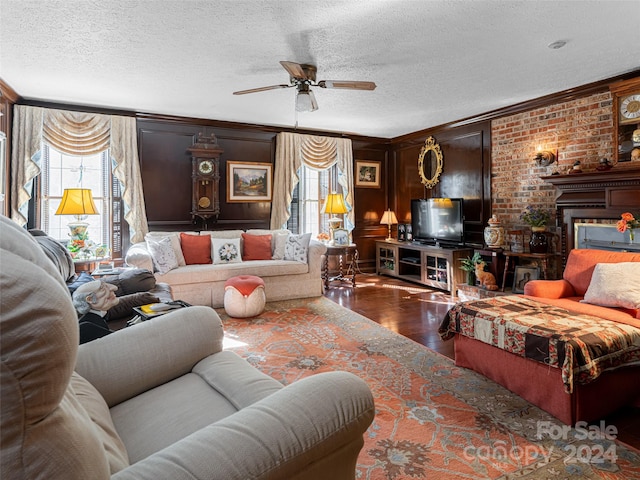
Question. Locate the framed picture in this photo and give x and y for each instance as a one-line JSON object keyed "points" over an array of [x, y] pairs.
{"points": [[341, 236], [523, 275], [249, 181], [367, 174]]}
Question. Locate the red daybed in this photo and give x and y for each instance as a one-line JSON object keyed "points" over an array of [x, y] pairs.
{"points": [[598, 389]]}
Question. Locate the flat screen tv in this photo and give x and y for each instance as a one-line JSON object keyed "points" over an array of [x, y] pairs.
{"points": [[437, 221]]}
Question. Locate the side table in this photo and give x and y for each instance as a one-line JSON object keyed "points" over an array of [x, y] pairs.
{"points": [[88, 264], [541, 259], [346, 256]]}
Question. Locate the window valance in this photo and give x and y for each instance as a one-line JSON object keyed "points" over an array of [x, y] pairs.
{"points": [[320, 153], [76, 133]]}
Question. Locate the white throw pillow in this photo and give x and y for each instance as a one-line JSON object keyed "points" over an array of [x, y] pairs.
{"points": [[175, 243], [297, 247], [279, 241], [226, 250], [615, 285], [164, 258]]}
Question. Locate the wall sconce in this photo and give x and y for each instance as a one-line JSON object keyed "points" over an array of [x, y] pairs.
{"points": [[389, 218], [544, 158]]}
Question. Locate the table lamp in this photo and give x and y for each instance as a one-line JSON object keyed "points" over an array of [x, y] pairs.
{"points": [[389, 218], [78, 202], [334, 205]]}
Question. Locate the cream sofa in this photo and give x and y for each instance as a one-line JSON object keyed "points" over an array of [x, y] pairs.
{"points": [[157, 400], [203, 284]]}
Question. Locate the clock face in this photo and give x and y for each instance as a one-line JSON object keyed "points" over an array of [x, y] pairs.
{"points": [[630, 107], [205, 167]]}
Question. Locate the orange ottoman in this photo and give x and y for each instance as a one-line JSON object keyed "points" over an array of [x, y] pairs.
{"points": [[244, 296]]}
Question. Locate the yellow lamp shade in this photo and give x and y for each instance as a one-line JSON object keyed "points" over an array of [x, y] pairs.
{"points": [[335, 204], [77, 201]]}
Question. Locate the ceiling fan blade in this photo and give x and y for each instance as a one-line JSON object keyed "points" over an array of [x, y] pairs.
{"points": [[347, 84], [261, 89], [295, 70]]}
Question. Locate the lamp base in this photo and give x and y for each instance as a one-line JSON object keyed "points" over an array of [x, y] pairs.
{"points": [[78, 230]]}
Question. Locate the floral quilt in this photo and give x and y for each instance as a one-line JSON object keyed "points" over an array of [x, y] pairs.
{"points": [[583, 346]]}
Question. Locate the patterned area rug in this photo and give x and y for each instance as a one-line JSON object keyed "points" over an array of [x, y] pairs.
{"points": [[433, 420]]}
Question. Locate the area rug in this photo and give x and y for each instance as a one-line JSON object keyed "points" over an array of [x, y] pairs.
{"points": [[433, 420]]}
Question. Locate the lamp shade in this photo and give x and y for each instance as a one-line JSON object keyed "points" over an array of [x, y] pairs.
{"points": [[77, 201], [335, 204], [388, 218]]}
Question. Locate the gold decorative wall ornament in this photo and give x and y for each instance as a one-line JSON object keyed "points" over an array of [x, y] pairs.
{"points": [[430, 163]]}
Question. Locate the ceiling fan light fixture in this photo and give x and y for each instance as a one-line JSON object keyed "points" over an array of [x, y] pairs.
{"points": [[306, 101]]}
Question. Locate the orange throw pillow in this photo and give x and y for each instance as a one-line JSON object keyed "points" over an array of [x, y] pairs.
{"points": [[256, 247], [196, 248]]}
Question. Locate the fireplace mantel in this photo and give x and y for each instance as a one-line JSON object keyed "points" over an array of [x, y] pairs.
{"points": [[594, 196]]}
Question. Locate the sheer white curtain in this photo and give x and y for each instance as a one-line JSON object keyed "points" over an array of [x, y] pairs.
{"points": [[320, 153], [77, 133]]}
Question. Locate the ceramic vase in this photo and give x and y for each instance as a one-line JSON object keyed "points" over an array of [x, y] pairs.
{"points": [[538, 242], [494, 233]]}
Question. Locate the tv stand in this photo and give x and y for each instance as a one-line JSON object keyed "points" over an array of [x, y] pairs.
{"points": [[431, 265]]}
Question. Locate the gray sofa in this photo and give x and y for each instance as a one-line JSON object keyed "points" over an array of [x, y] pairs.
{"points": [[203, 284], [158, 400]]}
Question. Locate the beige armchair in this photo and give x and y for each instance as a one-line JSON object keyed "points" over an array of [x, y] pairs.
{"points": [[158, 400]]}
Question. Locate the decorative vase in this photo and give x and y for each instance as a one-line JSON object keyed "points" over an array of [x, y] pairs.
{"points": [[538, 242], [631, 236], [471, 278], [494, 233]]}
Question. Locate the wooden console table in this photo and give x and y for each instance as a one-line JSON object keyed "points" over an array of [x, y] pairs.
{"points": [[346, 256], [425, 264]]}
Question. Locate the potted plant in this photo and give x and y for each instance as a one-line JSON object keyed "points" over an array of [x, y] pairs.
{"points": [[537, 218], [469, 265]]}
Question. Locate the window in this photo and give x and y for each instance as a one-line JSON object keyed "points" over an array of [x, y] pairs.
{"points": [[308, 200], [60, 171]]}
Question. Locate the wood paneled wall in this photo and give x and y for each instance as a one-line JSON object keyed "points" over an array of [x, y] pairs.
{"points": [[466, 173], [166, 175]]}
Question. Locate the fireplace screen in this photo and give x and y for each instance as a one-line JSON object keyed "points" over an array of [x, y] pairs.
{"points": [[604, 237]]}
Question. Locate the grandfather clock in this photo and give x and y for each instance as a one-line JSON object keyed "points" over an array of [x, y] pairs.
{"points": [[205, 178]]}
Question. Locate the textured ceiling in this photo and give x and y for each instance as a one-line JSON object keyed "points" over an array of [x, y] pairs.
{"points": [[433, 61]]}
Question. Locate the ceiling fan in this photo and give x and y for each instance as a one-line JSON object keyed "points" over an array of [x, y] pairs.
{"points": [[303, 77]]}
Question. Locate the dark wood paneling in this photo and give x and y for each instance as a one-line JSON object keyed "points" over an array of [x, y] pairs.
{"points": [[466, 174], [166, 174], [165, 166]]}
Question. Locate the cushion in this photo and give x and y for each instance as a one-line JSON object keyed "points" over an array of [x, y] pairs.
{"points": [[174, 238], [256, 247], [58, 254], [164, 258], [226, 250], [615, 285], [124, 308], [98, 411], [196, 248], [279, 244], [81, 279], [132, 280], [297, 247]]}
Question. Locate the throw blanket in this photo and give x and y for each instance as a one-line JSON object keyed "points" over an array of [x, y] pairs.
{"points": [[583, 346]]}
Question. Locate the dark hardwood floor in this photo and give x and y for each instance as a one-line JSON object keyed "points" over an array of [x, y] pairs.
{"points": [[416, 311]]}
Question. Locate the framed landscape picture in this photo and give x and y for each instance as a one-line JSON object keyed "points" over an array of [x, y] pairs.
{"points": [[249, 182], [367, 174]]}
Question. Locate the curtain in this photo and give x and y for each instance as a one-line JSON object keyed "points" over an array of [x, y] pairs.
{"points": [[77, 133], [292, 151]]}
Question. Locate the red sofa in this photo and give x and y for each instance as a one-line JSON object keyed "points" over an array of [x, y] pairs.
{"points": [[542, 385]]}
